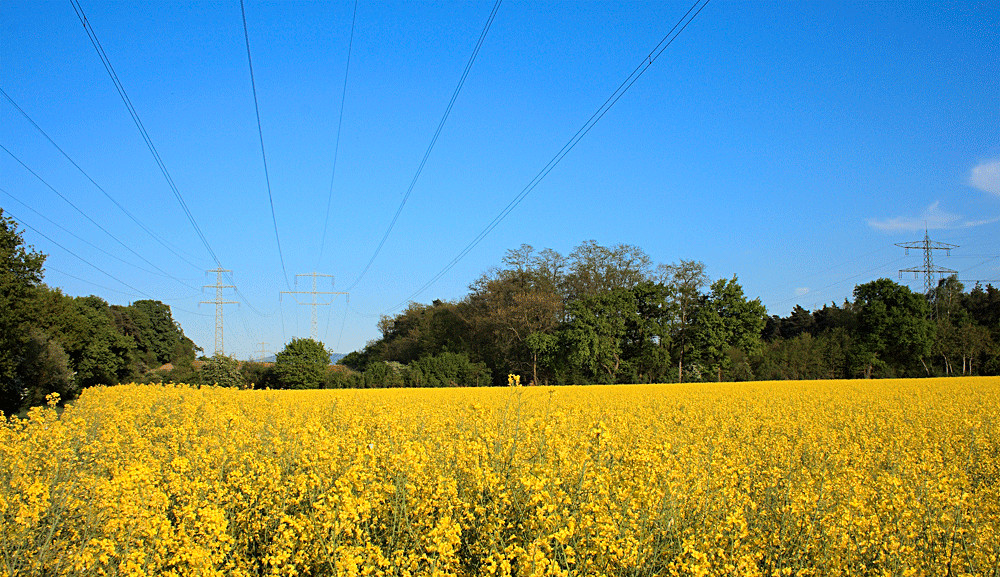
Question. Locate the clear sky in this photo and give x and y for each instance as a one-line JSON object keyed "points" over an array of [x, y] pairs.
{"points": [[789, 143]]}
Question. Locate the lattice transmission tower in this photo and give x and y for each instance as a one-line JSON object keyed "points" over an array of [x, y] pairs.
{"points": [[314, 332], [219, 302], [929, 269]]}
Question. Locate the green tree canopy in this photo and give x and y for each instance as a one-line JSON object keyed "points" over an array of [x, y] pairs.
{"points": [[21, 269], [726, 321], [895, 333], [447, 370], [223, 371], [684, 282], [596, 332], [302, 364]]}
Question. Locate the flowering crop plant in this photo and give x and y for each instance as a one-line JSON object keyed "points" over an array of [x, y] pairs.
{"points": [[894, 477]]}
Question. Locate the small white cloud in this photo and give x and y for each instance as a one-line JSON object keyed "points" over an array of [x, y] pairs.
{"points": [[802, 291], [986, 176], [933, 217], [971, 223]]}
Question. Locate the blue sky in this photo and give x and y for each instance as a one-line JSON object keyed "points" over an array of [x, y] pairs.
{"points": [[789, 143]]}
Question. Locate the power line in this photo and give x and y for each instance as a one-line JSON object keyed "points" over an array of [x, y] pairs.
{"points": [[260, 132], [94, 222], [336, 147], [92, 181], [631, 79], [843, 280], [64, 273], [74, 235], [430, 147], [142, 129], [90, 282], [149, 144], [87, 262]]}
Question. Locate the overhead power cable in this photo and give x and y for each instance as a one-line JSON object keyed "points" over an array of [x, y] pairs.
{"points": [[94, 222], [132, 217], [343, 323], [430, 147], [336, 146], [73, 234], [87, 262], [92, 283], [813, 293], [83, 280], [142, 129], [603, 109], [149, 144], [260, 132]]}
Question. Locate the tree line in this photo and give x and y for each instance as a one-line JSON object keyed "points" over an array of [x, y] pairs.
{"points": [[608, 315], [598, 315], [52, 342]]}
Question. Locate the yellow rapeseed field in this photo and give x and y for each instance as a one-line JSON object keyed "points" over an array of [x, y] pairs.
{"points": [[897, 477]]}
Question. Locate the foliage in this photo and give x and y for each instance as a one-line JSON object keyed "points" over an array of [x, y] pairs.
{"points": [[302, 364], [603, 314], [597, 331], [54, 343], [223, 371], [727, 326], [447, 370], [384, 374], [894, 329], [20, 271], [684, 282], [863, 478], [258, 375], [158, 339], [45, 369]]}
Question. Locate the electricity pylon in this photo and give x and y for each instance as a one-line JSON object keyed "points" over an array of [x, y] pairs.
{"points": [[218, 286], [929, 270], [314, 332]]}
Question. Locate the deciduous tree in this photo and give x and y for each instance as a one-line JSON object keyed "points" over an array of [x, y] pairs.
{"points": [[302, 364], [895, 332], [20, 271]]}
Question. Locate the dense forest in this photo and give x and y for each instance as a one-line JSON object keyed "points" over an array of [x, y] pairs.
{"points": [[608, 315], [599, 315]]}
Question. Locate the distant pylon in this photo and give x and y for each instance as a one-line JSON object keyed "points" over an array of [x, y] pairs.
{"points": [[218, 286], [314, 332], [263, 351], [928, 269]]}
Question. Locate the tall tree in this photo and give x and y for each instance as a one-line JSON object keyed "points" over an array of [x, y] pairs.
{"points": [[514, 311], [594, 269], [895, 333], [647, 333], [21, 269], [684, 282], [725, 321], [596, 332]]}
